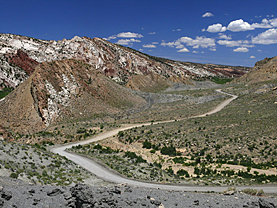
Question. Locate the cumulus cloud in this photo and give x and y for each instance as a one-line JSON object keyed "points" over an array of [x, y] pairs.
{"points": [[111, 37], [234, 43], [252, 57], [152, 33], [216, 28], [202, 42], [264, 24], [149, 46], [266, 38], [225, 37], [208, 14], [241, 49], [239, 25], [198, 41], [127, 41], [273, 22], [170, 44], [129, 35], [212, 49], [125, 35], [183, 50], [179, 45]]}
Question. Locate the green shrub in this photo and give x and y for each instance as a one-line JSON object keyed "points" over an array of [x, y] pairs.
{"points": [[146, 144], [182, 172], [171, 151], [14, 175], [153, 151]]}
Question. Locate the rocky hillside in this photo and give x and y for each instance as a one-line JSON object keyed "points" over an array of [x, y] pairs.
{"points": [[62, 91], [123, 65], [263, 70]]}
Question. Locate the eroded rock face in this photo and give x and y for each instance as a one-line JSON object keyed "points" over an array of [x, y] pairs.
{"points": [[62, 90], [10, 75], [62, 97], [115, 61], [22, 60]]}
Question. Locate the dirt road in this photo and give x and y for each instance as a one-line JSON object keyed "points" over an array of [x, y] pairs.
{"points": [[105, 174]]}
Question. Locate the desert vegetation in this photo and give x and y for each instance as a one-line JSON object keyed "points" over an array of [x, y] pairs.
{"points": [[34, 164], [234, 146]]}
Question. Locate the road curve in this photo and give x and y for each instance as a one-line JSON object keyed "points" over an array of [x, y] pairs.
{"points": [[107, 175]]}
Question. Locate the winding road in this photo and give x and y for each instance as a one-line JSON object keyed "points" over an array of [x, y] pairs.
{"points": [[107, 175]]}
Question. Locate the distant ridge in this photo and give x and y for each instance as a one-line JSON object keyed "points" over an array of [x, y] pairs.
{"points": [[19, 55], [263, 70]]}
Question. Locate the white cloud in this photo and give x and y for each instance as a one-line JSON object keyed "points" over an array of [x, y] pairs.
{"points": [[252, 57], [239, 25], [241, 49], [129, 35], [195, 52], [180, 46], [225, 37], [265, 24], [111, 37], [155, 43], [266, 38], [198, 41], [148, 46], [212, 49], [273, 22], [208, 14], [170, 44], [229, 43], [127, 41], [216, 28], [178, 30], [183, 50], [152, 33], [195, 43], [234, 43]]}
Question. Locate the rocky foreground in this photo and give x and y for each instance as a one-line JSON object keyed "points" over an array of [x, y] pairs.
{"points": [[15, 193]]}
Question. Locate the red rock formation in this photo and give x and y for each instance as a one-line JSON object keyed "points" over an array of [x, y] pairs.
{"points": [[22, 60]]}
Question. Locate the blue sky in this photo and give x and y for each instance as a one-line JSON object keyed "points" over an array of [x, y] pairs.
{"points": [[232, 32]]}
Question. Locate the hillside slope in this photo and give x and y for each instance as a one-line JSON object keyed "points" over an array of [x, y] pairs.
{"points": [[62, 91], [263, 70]]}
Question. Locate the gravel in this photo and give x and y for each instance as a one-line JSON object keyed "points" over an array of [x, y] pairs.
{"points": [[16, 193]]}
